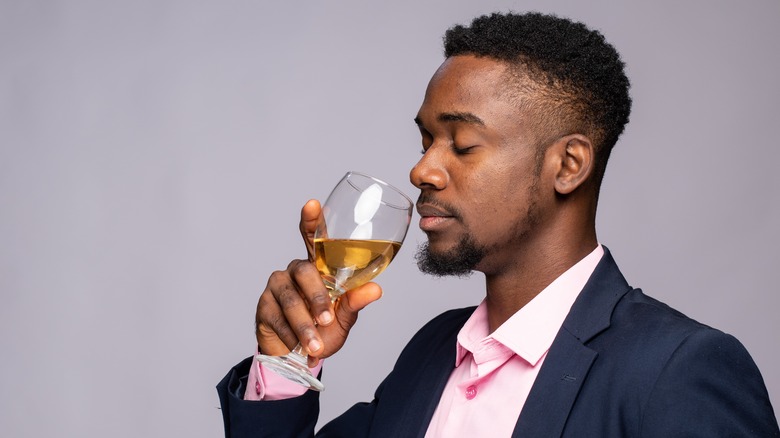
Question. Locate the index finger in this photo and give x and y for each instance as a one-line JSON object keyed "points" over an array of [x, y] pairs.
{"points": [[311, 218]]}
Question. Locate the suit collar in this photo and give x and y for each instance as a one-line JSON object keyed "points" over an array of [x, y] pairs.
{"points": [[592, 310], [569, 360]]}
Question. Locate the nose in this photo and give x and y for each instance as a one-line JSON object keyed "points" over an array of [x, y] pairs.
{"points": [[430, 171]]}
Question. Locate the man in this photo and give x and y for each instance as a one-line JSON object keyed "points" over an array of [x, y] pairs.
{"points": [[517, 125]]}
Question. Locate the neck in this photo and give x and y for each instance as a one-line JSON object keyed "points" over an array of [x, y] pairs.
{"points": [[511, 288]]}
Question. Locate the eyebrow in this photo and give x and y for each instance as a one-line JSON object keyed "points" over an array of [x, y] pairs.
{"points": [[455, 117]]}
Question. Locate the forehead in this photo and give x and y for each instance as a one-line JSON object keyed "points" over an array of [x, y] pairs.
{"points": [[462, 70], [468, 84], [461, 77]]}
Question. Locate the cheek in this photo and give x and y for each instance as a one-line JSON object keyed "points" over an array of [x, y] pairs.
{"points": [[509, 199], [519, 176], [495, 189], [504, 190], [492, 206]]}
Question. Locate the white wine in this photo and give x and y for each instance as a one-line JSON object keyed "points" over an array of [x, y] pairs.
{"points": [[348, 263], [358, 209]]}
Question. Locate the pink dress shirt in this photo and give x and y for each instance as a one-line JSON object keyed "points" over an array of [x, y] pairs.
{"points": [[493, 372], [264, 384]]}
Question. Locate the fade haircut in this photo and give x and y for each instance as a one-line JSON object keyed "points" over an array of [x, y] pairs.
{"points": [[567, 75]]}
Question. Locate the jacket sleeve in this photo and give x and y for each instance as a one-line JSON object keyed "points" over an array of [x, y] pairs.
{"points": [[392, 412], [355, 422], [295, 417], [709, 388]]}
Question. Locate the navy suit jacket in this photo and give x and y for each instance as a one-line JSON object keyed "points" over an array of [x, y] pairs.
{"points": [[622, 365]]}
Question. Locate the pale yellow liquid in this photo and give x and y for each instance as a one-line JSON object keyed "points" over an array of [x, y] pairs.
{"points": [[346, 264]]}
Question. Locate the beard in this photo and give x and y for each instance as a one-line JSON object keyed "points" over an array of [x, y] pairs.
{"points": [[466, 256], [460, 261]]}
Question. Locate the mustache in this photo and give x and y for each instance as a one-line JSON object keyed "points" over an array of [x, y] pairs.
{"points": [[427, 198]]}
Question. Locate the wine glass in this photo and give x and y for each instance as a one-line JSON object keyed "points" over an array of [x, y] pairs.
{"points": [[364, 223]]}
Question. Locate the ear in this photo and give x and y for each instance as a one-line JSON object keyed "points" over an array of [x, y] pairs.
{"points": [[576, 155]]}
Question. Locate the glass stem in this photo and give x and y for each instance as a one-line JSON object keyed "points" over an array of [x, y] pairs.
{"points": [[299, 354]]}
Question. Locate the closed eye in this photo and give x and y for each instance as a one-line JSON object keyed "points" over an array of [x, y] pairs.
{"points": [[463, 150]]}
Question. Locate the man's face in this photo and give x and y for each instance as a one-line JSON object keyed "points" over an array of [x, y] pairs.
{"points": [[479, 179]]}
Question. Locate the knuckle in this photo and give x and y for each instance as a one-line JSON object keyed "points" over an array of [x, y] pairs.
{"points": [[263, 331], [293, 264], [265, 305], [320, 300], [298, 268], [304, 329], [272, 325], [266, 298], [265, 314], [276, 322], [288, 297], [276, 278]]}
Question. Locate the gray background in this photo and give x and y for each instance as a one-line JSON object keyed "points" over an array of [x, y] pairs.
{"points": [[154, 156]]}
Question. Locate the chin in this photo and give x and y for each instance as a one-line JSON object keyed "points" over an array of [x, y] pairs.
{"points": [[438, 247]]}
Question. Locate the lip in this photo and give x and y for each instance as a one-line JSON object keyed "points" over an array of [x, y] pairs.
{"points": [[433, 218]]}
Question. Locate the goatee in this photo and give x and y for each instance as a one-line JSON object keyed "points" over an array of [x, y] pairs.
{"points": [[460, 261]]}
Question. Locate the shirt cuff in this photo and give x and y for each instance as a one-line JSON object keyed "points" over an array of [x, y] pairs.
{"points": [[264, 384]]}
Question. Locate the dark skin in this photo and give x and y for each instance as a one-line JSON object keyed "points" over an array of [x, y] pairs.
{"points": [[295, 304], [479, 176]]}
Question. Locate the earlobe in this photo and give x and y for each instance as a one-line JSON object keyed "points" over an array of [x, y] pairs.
{"points": [[576, 165]]}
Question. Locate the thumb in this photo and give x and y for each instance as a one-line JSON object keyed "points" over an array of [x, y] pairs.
{"points": [[354, 301], [311, 217]]}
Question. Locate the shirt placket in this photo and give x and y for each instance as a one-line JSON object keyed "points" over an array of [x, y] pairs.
{"points": [[488, 357]]}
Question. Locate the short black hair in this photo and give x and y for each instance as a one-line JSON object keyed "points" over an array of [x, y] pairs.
{"points": [[582, 78]]}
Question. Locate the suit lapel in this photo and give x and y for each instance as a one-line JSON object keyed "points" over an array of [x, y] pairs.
{"points": [[433, 379], [555, 389], [411, 396], [568, 361]]}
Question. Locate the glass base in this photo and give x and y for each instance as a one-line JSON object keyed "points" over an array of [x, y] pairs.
{"points": [[291, 368]]}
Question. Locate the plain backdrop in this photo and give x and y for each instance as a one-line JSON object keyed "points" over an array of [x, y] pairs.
{"points": [[154, 156]]}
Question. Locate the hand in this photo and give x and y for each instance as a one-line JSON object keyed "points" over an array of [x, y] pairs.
{"points": [[293, 298]]}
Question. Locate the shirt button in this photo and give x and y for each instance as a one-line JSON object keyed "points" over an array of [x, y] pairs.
{"points": [[471, 392]]}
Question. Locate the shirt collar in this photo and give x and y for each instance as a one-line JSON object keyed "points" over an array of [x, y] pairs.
{"points": [[532, 329]]}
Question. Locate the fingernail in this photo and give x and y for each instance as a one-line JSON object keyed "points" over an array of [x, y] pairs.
{"points": [[325, 317], [314, 345]]}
